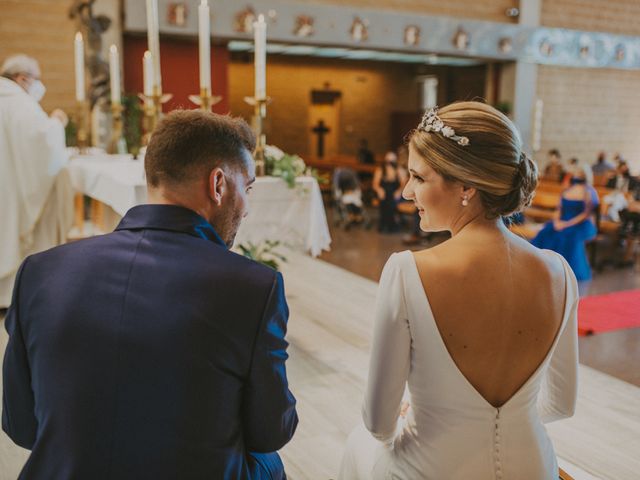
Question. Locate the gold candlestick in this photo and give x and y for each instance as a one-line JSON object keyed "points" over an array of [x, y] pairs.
{"points": [[259, 120], [116, 126], [82, 133], [205, 100], [153, 110]]}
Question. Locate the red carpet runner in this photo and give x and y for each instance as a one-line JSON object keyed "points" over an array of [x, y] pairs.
{"points": [[605, 313]]}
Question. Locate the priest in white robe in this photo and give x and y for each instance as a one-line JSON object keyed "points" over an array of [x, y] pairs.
{"points": [[36, 198]]}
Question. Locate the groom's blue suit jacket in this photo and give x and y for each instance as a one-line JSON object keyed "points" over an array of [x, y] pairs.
{"points": [[152, 352]]}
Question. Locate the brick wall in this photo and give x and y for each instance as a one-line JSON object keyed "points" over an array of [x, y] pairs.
{"points": [[493, 10], [589, 110], [614, 16], [370, 92], [41, 29]]}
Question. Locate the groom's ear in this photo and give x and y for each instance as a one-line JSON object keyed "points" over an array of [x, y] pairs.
{"points": [[217, 185]]}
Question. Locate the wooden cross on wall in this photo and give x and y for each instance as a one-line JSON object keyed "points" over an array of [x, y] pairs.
{"points": [[320, 130]]}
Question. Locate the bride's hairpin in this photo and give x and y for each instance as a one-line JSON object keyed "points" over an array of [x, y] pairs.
{"points": [[431, 122]]}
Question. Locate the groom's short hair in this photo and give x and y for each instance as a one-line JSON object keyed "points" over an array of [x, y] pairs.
{"points": [[190, 143]]}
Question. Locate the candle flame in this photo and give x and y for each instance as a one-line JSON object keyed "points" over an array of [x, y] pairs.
{"points": [[79, 37], [113, 49], [147, 54]]}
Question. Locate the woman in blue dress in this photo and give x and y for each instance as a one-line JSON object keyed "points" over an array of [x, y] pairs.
{"points": [[573, 225]]}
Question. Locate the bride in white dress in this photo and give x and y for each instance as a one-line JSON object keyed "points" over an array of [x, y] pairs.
{"points": [[475, 340]]}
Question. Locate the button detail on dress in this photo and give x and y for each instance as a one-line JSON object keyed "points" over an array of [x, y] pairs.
{"points": [[496, 448]]}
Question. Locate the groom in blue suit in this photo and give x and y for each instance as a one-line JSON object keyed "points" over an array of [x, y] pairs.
{"points": [[154, 352]]}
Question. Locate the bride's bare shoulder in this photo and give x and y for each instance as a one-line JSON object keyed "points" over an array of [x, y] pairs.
{"points": [[459, 258]]}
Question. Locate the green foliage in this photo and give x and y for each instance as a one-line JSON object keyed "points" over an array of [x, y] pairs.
{"points": [[132, 117], [263, 253], [504, 107], [71, 133], [288, 167]]}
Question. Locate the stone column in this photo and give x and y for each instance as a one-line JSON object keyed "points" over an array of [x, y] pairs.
{"points": [[526, 78]]}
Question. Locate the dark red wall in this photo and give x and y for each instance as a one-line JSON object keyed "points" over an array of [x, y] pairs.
{"points": [[180, 73]]}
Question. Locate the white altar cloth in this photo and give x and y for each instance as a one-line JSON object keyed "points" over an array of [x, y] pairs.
{"points": [[115, 180], [295, 217]]}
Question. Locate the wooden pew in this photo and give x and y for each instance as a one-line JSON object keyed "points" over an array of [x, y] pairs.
{"points": [[339, 161], [551, 187], [326, 166], [543, 206]]}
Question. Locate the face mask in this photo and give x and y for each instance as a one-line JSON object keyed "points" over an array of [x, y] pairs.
{"points": [[36, 90], [577, 181]]}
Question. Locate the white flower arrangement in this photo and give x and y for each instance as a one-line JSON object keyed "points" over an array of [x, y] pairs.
{"points": [[272, 151], [288, 167]]}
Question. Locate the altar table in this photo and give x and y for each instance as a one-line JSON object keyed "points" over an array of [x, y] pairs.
{"points": [[293, 216]]}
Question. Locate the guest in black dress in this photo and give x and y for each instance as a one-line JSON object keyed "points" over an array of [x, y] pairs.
{"points": [[388, 181]]}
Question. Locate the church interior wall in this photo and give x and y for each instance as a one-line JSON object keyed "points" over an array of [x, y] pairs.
{"points": [[591, 110], [372, 92], [180, 74], [507, 83], [41, 29], [613, 16]]}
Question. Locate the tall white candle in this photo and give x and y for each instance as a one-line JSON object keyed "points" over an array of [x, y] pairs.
{"points": [[260, 58], [79, 63], [204, 36], [114, 73], [147, 72], [153, 40]]}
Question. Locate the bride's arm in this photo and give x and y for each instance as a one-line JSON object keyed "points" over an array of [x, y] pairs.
{"points": [[390, 356], [557, 399]]}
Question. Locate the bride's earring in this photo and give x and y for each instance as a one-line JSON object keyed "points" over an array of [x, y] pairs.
{"points": [[465, 201]]}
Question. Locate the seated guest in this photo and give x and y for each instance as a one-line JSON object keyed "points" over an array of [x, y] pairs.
{"points": [[388, 181], [623, 180], [602, 166], [624, 187], [348, 194], [554, 171], [460, 328], [630, 229], [574, 165], [366, 157], [364, 154], [573, 225], [154, 351]]}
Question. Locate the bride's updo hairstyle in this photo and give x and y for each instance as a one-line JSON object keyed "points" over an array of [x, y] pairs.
{"points": [[485, 153]]}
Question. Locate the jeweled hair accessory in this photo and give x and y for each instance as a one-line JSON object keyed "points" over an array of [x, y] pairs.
{"points": [[431, 122]]}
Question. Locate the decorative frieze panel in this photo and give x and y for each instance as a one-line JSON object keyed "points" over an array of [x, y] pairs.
{"points": [[349, 27]]}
